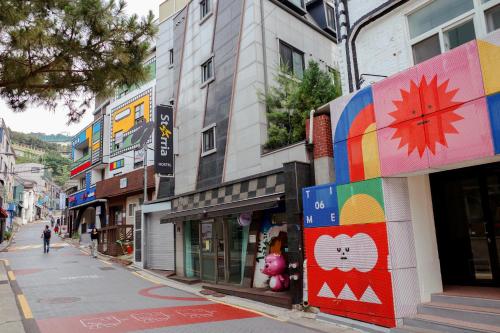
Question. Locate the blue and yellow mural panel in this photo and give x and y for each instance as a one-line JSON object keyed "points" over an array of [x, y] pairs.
{"points": [[128, 119], [90, 137]]}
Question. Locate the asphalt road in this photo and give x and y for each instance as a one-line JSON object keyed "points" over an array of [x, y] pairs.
{"points": [[67, 291]]}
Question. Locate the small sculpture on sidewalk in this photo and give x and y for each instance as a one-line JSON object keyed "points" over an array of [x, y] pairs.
{"points": [[274, 267]]}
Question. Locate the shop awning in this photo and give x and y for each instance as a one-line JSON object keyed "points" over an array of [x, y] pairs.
{"points": [[235, 207], [3, 213]]}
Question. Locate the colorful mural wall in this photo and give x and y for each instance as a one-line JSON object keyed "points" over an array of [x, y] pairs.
{"points": [[86, 148], [442, 114], [130, 122]]}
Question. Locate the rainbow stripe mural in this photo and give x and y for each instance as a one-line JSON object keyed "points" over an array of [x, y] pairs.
{"points": [[355, 140], [442, 114]]}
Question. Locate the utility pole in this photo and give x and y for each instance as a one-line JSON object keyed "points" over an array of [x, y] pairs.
{"points": [[145, 165]]}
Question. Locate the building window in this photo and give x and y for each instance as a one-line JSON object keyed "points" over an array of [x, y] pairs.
{"points": [[83, 183], [298, 3], [330, 17], [443, 25], [207, 70], [139, 113], [205, 8], [131, 209], [118, 139], [492, 17], [171, 57], [208, 140], [426, 49], [291, 60], [335, 74]]}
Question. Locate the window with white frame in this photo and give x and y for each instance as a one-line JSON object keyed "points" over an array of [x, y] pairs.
{"points": [[118, 139], [207, 70], [208, 140], [492, 18], [291, 60], [441, 25], [330, 17], [205, 8], [139, 113]]}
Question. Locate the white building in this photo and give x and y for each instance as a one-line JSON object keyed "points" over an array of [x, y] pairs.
{"points": [[446, 248], [213, 58]]}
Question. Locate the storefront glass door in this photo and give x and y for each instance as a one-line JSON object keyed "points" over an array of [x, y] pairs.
{"points": [[208, 251], [467, 215], [223, 250]]}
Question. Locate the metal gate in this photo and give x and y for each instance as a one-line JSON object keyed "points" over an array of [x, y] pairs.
{"points": [[160, 246]]}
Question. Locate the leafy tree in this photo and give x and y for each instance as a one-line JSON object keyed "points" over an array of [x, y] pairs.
{"points": [[59, 166], [63, 50], [290, 101]]}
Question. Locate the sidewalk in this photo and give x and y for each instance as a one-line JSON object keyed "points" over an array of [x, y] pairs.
{"points": [[300, 318], [10, 318]]}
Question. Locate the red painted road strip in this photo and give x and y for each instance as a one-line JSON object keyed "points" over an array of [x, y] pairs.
{"points": [[147, 293], [142, 319], [27, 271]]}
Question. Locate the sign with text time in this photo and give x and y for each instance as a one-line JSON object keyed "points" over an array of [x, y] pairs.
{"points": [[320, 206]]}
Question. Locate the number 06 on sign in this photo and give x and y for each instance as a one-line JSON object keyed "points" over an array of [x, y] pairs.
{"points": [[320, 206]]}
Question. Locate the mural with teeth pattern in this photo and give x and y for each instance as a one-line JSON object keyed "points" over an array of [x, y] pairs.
{"points": [[347, 264]]}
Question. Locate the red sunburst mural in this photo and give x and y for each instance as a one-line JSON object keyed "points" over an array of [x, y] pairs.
{"points": [[429, 105]]}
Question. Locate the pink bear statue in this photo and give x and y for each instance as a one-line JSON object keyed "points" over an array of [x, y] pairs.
{"points": [[274, 267]]}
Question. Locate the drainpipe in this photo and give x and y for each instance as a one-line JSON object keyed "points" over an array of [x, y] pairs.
{"points": [[311, 126], [310, 145], [353, 33]]}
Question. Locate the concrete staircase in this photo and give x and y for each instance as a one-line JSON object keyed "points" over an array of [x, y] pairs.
{"points": [[454, 314]]}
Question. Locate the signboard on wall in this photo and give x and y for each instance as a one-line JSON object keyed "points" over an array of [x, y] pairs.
{"points": [[164, 142], [320, 206]]}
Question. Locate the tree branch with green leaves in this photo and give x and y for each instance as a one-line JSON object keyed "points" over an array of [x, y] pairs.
{"points": [[289, 102], [63, 51]]}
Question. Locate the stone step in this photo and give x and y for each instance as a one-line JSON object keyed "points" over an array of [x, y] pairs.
{"points": [[475, 314], [466, 300], [448, 325], [409, 329]]}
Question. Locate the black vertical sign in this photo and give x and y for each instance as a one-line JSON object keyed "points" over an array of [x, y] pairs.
{"points": [[164, 141]]}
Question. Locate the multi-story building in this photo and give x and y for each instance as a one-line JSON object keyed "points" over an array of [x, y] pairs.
{"points": [[90, 155], [109, 159], [411, 214], [131, 116], [45, 191], [231, 202], [7, 162]]}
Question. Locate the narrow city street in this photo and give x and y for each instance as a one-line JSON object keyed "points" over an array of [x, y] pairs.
{"points": [[67, 291]]}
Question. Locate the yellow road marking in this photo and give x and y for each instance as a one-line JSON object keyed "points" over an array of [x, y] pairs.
{"points": [[25, 307], [145, 278], [6, 262], [105, 262], [247, 309], [12, 277]]}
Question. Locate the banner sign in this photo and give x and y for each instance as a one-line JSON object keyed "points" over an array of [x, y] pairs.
{"points": [[164, 141]]}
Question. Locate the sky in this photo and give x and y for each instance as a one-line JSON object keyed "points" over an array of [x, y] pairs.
{"points": [[36, 119]]}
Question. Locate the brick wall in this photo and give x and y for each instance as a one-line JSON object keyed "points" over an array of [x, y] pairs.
{"points": [[322, 139]]}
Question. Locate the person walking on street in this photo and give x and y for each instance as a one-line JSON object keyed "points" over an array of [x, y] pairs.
{"points": [[94, 239], [46, 239]]}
